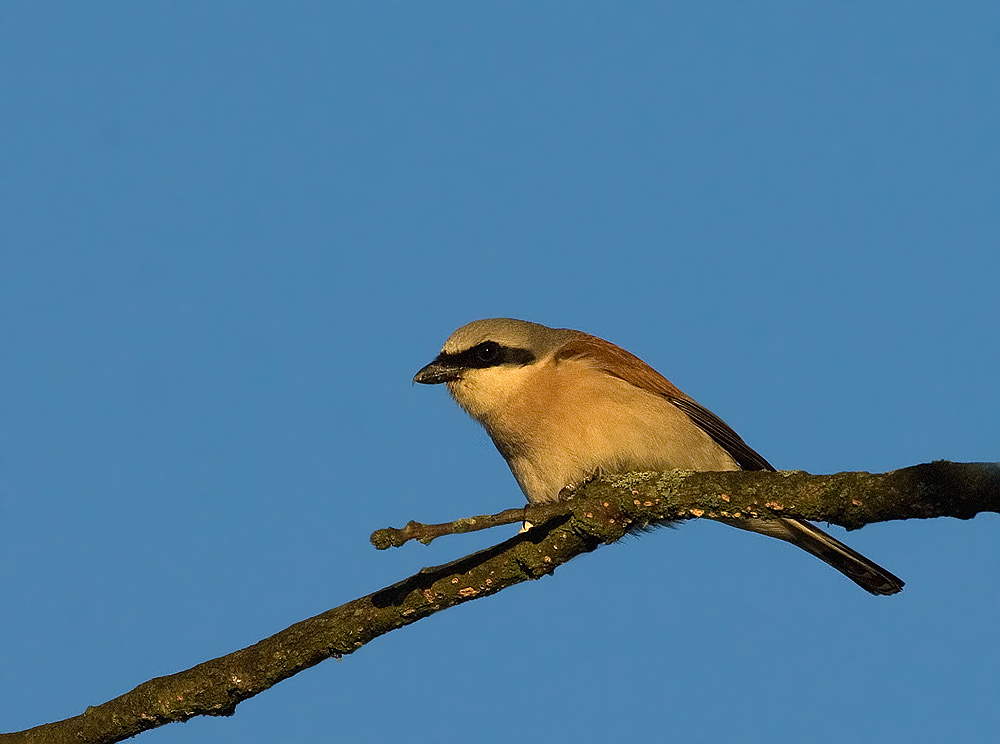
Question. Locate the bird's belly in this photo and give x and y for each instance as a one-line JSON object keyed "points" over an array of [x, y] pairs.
{"points": [[614, 440]]}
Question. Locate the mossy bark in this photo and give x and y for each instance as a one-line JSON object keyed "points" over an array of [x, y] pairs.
{"points": [[600, 512]]}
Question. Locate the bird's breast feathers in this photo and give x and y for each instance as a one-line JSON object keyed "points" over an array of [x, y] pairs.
{"points": [[568, 421]]}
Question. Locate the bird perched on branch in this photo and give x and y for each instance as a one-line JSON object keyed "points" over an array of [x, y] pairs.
{"points": [[563, 407]]}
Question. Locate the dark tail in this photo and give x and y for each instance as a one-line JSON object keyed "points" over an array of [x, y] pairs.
{"points": [[865, 573]]}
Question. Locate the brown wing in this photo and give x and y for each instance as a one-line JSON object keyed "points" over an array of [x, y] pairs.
{"points": [[614, 360]]}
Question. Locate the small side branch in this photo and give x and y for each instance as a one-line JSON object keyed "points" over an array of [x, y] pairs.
{"points": [[395, 537]]}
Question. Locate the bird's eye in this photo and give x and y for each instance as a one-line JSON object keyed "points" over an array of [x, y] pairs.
{"points": [[488, 352]]}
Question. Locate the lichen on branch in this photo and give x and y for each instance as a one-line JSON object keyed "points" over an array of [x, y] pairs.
{"points": [[599, 512]]}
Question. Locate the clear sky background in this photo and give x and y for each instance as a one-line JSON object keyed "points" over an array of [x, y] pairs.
{"points": [[230, 232]]}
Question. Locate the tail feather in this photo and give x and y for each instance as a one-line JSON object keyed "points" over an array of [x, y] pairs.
{"points": [[865, 573]]}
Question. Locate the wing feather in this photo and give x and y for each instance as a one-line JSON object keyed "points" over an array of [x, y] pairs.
{"points": [[614, 360], [624, 365]]}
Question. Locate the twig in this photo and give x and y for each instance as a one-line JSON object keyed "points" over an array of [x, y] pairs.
{"points": [[395, 537]]}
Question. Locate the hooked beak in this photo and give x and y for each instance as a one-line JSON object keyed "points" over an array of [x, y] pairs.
{"points": [[436, 373]]}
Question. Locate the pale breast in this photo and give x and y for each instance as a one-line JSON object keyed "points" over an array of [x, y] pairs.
{"points": [[573, 423]]}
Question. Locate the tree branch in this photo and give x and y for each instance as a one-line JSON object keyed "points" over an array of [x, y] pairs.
{"points": [[600, 512], [851, 500]]}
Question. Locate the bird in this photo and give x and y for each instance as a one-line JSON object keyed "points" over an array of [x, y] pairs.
{"points": [[564, 407]]}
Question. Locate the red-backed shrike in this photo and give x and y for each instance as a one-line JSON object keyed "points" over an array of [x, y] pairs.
{"points": [[564, 407]]}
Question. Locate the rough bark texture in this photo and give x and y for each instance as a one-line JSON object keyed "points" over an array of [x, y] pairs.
{"points": [[601, 512]]}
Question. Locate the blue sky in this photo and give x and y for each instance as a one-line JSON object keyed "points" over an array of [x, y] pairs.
{"points": [[230, 232]]}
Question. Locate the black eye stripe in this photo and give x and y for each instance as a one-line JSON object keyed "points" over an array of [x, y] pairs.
{"points": [[486, 354]]}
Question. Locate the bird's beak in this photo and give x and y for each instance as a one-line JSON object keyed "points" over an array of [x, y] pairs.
{"points": [[436, 373]]}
